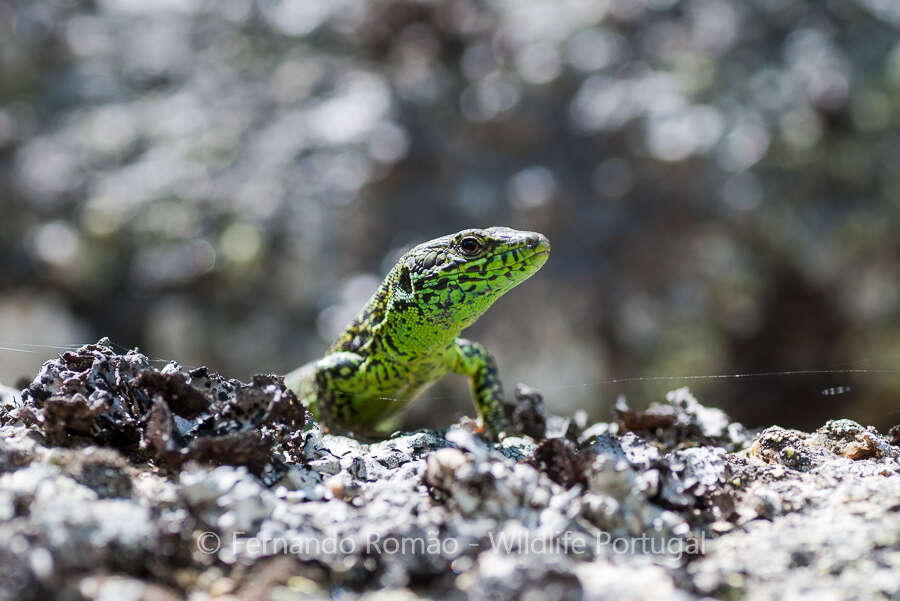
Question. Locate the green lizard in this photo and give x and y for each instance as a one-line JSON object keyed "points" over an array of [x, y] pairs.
{"points": [[407, 336]]}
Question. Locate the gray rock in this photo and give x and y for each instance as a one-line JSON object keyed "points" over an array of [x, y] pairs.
{"points": [[691, 510]]}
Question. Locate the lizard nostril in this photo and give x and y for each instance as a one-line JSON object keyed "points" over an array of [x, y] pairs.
{"points": [[537, 242]]}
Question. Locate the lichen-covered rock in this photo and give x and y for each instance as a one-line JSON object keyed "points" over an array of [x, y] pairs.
{"points": [[169, 416], [682, 421], [830, 525], [121, 481]]}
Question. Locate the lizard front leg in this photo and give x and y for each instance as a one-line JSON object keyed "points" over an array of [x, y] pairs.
{"points": [[474, 361]]}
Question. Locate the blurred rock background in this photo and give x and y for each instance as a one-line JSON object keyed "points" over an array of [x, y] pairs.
{"points": [[225, 182]]}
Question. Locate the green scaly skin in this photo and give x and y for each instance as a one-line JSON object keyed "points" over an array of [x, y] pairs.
{"points": [[407, 336]]}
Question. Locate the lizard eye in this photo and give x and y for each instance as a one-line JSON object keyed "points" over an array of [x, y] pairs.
{"points": [[470, 245], [405, 282]]}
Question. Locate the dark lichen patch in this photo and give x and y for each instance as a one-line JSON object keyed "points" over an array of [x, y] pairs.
{"points": [[657, 416], [561, 459], [249, 448], [97, 396], [528, 416], [682, 422], [183, 398], [894, 434]]}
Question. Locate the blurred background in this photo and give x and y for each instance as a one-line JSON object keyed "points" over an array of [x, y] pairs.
{"points": [[224, 182]]}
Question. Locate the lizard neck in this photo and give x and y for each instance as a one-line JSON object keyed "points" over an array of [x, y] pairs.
{"points": [[358, 336], [408, 332], [397, 327]]}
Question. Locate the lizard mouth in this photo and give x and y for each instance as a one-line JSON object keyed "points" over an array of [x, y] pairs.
{"points": [[523, 261]]}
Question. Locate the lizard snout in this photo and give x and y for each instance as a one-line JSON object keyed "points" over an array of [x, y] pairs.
{"points": [[536, 241]]}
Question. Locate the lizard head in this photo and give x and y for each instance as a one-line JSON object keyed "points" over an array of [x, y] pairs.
{"points": [[453, 279]]}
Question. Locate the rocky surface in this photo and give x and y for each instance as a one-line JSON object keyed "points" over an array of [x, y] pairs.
{"points": [[121, 481]]}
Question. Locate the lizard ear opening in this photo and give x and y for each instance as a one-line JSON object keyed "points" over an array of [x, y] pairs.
{"points": [[405, 282]]}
